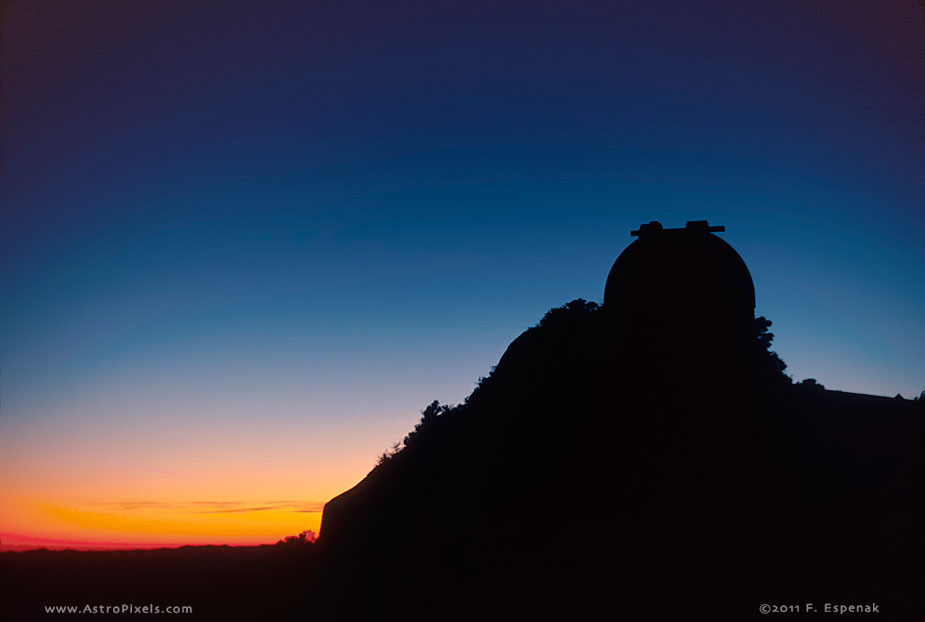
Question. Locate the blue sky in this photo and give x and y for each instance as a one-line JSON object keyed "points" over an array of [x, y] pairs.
{"points": [[324, 215]]}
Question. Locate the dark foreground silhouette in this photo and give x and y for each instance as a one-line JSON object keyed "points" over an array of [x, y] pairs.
{"points": [[216, 582], [647, 459], [644, 459]]}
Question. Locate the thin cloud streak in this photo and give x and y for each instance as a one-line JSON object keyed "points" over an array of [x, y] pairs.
{"points": [[215, 507]]}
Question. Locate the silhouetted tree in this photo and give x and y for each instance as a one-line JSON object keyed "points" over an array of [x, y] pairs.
{"points": [[762, 324], [389, 453], [810, 384], [579, 306], [920, 400], [306, 537], [769, 362], [428, 416]]}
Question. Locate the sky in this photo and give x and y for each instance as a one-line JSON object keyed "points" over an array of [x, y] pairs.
{"points": [[243, 245]]}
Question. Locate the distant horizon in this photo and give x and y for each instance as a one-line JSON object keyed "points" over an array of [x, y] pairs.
{"points": [[18, 542], [54, 544]]}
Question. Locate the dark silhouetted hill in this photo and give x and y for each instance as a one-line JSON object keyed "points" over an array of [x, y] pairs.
{"points": [[642, 461]]}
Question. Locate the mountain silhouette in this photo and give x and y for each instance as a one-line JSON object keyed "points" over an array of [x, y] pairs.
{"points": [[646, 458]]}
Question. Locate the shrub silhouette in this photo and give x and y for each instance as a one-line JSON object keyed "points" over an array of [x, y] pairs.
{"points": [[568, 311], [428, 417], [810, 384], [306, 537]]}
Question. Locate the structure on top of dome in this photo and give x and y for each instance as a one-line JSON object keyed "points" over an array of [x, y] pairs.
{"points": [[690, 273]]}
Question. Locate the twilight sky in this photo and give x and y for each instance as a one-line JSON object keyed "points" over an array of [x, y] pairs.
{"points": [[243, 244]]}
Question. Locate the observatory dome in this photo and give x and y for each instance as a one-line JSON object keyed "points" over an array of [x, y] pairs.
{"points": [[675, 275]]}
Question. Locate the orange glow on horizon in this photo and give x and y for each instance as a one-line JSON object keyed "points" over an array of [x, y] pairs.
{"points": [[165, 480], [137, 525]]}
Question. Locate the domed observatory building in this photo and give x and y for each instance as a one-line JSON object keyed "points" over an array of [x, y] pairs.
{"points": [[681, 282]]}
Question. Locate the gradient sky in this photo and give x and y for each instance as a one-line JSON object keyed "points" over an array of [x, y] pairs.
{"points": [[243, 244]]}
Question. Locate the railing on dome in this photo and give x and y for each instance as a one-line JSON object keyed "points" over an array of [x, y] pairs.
{"points": [[696, 226]]}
